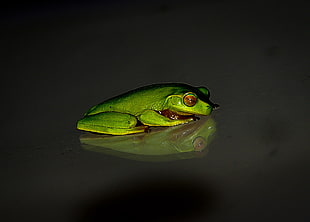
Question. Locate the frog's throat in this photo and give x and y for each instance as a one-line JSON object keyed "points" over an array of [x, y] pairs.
{"points": [[176, 115]]}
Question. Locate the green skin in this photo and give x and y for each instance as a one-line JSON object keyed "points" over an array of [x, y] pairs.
{"points": [[153, 105]]}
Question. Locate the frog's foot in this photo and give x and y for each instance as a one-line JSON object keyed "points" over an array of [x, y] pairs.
{"points": [[164, 118], [111, 123]]}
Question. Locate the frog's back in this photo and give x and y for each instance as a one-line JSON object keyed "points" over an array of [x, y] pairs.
{"points": [[148, 97]]}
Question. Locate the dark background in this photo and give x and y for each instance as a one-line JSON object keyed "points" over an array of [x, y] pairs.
{"points": [[58, 58]]}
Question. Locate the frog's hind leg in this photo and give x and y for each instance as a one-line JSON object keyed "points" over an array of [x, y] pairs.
{"points": [[111, 123], [117, 131]]}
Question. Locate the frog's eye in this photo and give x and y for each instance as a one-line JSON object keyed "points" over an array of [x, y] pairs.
{"points": [[190, 99], [199, 143]]}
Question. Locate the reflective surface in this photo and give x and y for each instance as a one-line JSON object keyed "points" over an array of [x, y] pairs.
{"points": [[160, 144], [56, 63]]}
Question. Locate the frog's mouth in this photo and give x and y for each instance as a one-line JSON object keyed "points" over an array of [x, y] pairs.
{"points": [[175, 116]]}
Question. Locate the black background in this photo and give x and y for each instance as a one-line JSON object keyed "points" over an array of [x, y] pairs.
{"points": [[58, 58]]}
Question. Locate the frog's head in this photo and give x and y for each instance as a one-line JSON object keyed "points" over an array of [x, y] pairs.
{"points": [[193, 101]]}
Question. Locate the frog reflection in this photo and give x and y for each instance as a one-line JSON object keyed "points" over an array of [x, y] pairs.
{"points": [[161, 143]]}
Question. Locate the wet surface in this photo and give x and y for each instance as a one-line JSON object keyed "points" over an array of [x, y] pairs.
{"points": [[56, 62]]}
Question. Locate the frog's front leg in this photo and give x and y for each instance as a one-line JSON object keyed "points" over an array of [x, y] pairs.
{"points": [[111, 123], [153, 118]]}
